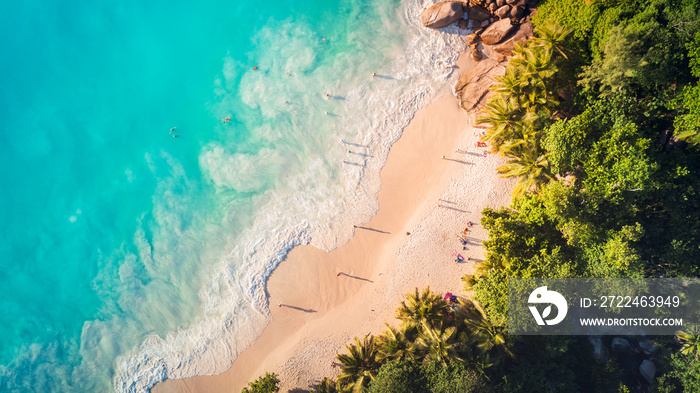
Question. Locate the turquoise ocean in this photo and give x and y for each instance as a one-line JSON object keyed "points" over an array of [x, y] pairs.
{"points": [[127, 255]]}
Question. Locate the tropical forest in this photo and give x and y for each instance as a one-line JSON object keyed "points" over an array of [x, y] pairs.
{"points": [[598, 118]]}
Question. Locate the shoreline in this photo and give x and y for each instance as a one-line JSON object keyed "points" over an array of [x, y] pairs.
{"points": [[328, 298]]}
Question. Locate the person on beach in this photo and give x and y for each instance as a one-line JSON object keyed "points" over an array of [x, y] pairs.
{"points": [[374, 74], [328, 95]]}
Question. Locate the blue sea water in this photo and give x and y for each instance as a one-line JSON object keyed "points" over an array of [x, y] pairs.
{"points": [[128, 255]]}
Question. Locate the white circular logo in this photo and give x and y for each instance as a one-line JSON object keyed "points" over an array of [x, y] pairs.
{"points": [[542, 295]]}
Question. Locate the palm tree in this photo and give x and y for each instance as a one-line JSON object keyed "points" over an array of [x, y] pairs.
{"points": [[505, 116], [394, 344], [534, 60], [492, 263], [509, 85], [327, 385], [552, 37], [359, 366], [534, 67], [470, 280], [533, 170], [437, 344], [489, 338], [690, 342], [427, 306]]}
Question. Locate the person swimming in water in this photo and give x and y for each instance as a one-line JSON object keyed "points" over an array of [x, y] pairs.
{"points": [[172, 129]]}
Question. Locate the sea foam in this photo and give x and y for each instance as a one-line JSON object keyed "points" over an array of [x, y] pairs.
{"points": [[316, 196]]}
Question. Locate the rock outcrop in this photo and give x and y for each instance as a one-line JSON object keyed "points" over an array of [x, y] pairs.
{"points": [[442, 14], [517, 12], [473, 87], [647, 346], [648, 370], [479, 13], [503, 12], [522, 33], [496, 32], [476, 54]]}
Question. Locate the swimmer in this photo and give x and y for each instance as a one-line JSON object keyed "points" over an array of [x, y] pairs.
{"points": [[288, 75], [324, 39], [174, 136], [172, 129], [255, 68], [225, 120]]}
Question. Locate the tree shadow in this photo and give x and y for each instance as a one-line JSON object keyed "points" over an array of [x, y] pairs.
{"points": [[453, 208], [372, 229], [473, 241], [307, 310], [360, 154], [459, 161], [352, 143], [355, 277]]}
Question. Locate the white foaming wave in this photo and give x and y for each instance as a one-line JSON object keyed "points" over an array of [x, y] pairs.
{"points": [[241, 171], [296, 211]]}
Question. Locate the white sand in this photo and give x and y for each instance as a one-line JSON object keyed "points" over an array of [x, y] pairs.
{"points": [[378, 268]]}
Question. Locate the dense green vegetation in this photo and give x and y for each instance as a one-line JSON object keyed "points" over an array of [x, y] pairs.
{"points": [[608, 167], [598, 116], [269, 383]]}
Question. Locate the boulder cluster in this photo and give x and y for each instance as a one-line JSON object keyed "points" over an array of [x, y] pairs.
{"points": [[495, 22]]}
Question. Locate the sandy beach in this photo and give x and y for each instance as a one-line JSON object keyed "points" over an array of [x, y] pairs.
{"points": [[320, 300]]}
